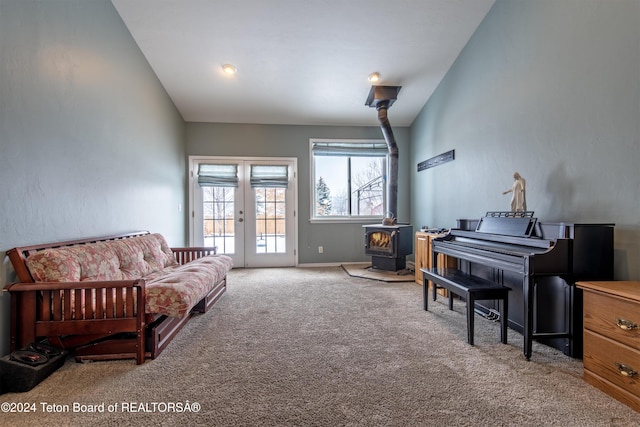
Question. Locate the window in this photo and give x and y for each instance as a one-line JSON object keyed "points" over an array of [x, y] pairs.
{"points": [[218, 183], [348, 179], [270, 183]]}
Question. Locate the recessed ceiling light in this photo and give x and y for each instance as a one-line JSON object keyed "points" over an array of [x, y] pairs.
{"points": [[374, 77], [229, 69]]}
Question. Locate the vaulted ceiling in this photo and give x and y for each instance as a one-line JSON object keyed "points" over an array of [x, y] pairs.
{"points": [[299, 61]]}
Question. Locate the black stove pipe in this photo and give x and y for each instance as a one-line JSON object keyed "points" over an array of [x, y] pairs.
{"points": [[392, 181]]}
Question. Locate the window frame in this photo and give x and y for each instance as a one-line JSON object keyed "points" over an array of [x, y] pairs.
{"points": [[313, 218]]}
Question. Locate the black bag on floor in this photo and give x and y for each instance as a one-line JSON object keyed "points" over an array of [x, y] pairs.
{"points": [[23, 369]]}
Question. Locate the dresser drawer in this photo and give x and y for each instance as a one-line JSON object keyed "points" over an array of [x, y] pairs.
{"points": [[616, 318], [612, 361]]}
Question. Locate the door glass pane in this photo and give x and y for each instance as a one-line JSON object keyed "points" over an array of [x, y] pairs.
{"points": [[270, 220], [218, 206]]}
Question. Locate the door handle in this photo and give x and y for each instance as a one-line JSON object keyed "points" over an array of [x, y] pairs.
{"points": [[240, 219]]}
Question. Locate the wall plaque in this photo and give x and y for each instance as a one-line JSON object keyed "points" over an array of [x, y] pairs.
{"points": [[437, 160]]}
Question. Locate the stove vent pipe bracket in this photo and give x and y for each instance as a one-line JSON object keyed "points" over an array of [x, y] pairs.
{"points": [[382, 96]]}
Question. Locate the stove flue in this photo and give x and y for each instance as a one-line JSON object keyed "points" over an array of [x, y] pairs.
{"points": [[388, 244], [381, 98]]}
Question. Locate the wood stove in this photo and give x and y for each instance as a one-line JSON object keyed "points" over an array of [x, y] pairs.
{"points": [[388, 245]]}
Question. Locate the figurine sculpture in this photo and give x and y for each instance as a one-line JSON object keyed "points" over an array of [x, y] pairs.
{"points": [[518, 197]]}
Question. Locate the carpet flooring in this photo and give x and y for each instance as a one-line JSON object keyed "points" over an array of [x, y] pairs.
{"points": [[317, 347]]}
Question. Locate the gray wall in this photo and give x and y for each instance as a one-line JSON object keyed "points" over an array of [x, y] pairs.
{"points": [[90, 143], [342, 242], [550, 89]]}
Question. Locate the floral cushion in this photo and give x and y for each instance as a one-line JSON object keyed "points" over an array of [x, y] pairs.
{"points": [[181, 287], [143, 255], [95, 261], [171, 289]]}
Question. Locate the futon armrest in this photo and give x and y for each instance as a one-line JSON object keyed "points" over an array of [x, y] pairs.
{"points": [[71, 314], [49, 286], [184, 255]]}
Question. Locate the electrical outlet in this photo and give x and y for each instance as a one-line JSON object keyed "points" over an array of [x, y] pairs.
{"points": [[320, 249]]}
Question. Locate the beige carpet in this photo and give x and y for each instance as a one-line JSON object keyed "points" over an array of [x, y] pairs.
{"points": [[316, 347]]}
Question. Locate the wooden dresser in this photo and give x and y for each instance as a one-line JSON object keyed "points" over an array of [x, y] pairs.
{"points": [[612, 339]]}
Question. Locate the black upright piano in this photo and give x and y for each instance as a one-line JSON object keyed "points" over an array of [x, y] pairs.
{"points": [[540, 262]]}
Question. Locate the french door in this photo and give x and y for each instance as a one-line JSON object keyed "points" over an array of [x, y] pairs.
{"points": [[246, 207]]}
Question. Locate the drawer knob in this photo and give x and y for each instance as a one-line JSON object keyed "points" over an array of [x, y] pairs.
{"points": [[625, 370], [626, 325]]}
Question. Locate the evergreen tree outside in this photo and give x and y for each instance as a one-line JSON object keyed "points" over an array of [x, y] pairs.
{"points": [[323, 198]]}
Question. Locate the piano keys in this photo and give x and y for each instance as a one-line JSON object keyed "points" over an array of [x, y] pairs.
{"points": [[540, 262]]}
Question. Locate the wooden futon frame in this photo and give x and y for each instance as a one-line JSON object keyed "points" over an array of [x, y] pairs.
{"points": [[95, 331]]}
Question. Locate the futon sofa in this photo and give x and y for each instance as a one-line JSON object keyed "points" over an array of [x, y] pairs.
{"points": [[123, 296]]}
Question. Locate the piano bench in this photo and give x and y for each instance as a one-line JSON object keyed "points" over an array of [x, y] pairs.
{"points": [[472, 288]]}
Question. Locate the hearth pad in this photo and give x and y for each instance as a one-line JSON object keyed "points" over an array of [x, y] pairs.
{"points": [[365, 271]]}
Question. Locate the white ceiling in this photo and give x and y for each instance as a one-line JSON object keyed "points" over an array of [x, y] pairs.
{"points": [[299, 61]]}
